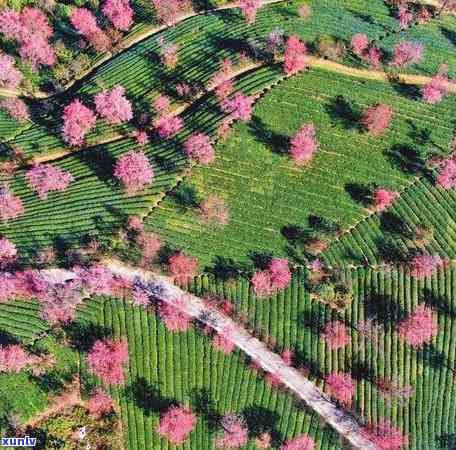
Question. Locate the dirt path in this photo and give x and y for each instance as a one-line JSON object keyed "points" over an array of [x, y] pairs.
{"points": [[164, 290]]}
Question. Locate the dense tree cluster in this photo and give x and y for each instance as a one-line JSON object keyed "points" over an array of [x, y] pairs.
{"points": [[277, 276]]}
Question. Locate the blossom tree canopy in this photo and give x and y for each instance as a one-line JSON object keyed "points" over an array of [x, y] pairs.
{"points": [[304, 144], [15, 108], [113, 106], [13, 358], [133, 169], [383, 198], [44, 178], [385, 436], [173, 318], [447, 176], [100, 404], [8, 251], [168, 11], [377, 118], [276, 277], [239, 106], [420, 327], [168, 126], [235, 432], [176, 424], [120, 13], [423, 266], [406, 53], [10, 76], [78, 120], [10, 205], [295, 56], [223, 341], [302, 442], [336, 335], [434, 91], [249, 9], [199, 148], [182, 267], [341, 386]]}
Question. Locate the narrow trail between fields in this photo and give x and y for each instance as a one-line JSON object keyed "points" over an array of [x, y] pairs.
{"points": [[163, 289]]}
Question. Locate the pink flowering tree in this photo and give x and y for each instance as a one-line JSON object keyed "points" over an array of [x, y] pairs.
{"points": [[420, 327], [86, 23], [223, 341], [249, 9], [385, 436], [16, 109], [447, 176], [199, 148], [134, 171], [304, 144], [140, 295], [302, 442], [45, 178], [10, 76], [176, 424], [239, 106], [383, 198], [405, 17], [235, 432], [359, 44], [406, 53], [13, 358], [173, 318], [214, 210], [336, 335], [100, 404], [169, 53], [424, 266], [10, 205], [377, 118], [149, 244], [162, 103], [119, 13], [8, 252], [295, 56], [11, 24], [78, 120], [168, 11], [434, 91], [263, 441], [341, 386], [276, 277], [113, 106], [168, 126], [182, 267], [106, 360]]}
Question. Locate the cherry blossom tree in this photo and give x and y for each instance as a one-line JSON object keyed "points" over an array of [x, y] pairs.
{"points": [[150, 245], [341, 386], [15, 108], [10, 205], [86, 23], [37, 51], [302, 442], [100, 404], [10, 76], [173, 318], [405, 17], [182, 267], [420, 327], [162, 104], [8, 251], [295, 56], [423, 266], [168, 126], [141, 137], [169, 53], [199, 148], [95, 280], [223, 341], [239, 106], [249, 9], [13, 358], [304, 144], [35, 23], [8, 287], [447, 176], [106, 360], [434, 91], [359, 44], [113, 106], [385, 436], [263, 441], [120, 13], [336, 335], [11, 24], [214, 210], [235, 432], [176, 424], [133, 169], [140, 295], [406, 53], [168, 11], [45, 178], [377, 118], [277, 276], [391, 390], [261, 282], [304, 11], [383, 198], [78, 120]]}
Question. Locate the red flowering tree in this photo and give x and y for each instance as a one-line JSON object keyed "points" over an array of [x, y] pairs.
{"points": [[447, 176], [10, 205], [295, 56], [113, 106], [341, 386], [304, 144], [377, 118], [434, 91], [150, 244], [10, 76], [78, 120], [423, 266], [420, 327], [235, 432], [359, 44], [215, 210], [100, 404], [336, 335], [249, 9], [86, 23], [13, 358], [106, 360], [120, 13], [239, 106], [182, 267], [383, 198], [385, 436], [277, 276], [15, 108], [8, 251], [45, 178], [176, 424], [168, 11], [199, 148], [168, 126], [406, 53], [223, 341], [134, 171], [302, 442], [173, 318]]}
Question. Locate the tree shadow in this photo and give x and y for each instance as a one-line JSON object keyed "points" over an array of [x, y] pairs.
{"points": [[438, 302], [204, 406], [278, 143], [409, 91], [421, 136], [148, 397], [434, 357], [389, 251], [227, 268], [261, 420], [313, 319], [449, 34], [185, 196], [82, 335], [303, 360], [100, 162], [260, 260], [407, 158], [360, 370], [342, 112], [392, 223], [359, 193], [447, 441], [382, 309], [7, 338]]}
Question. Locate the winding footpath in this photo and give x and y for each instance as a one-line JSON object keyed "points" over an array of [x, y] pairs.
{"points": [[163, 289]]}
